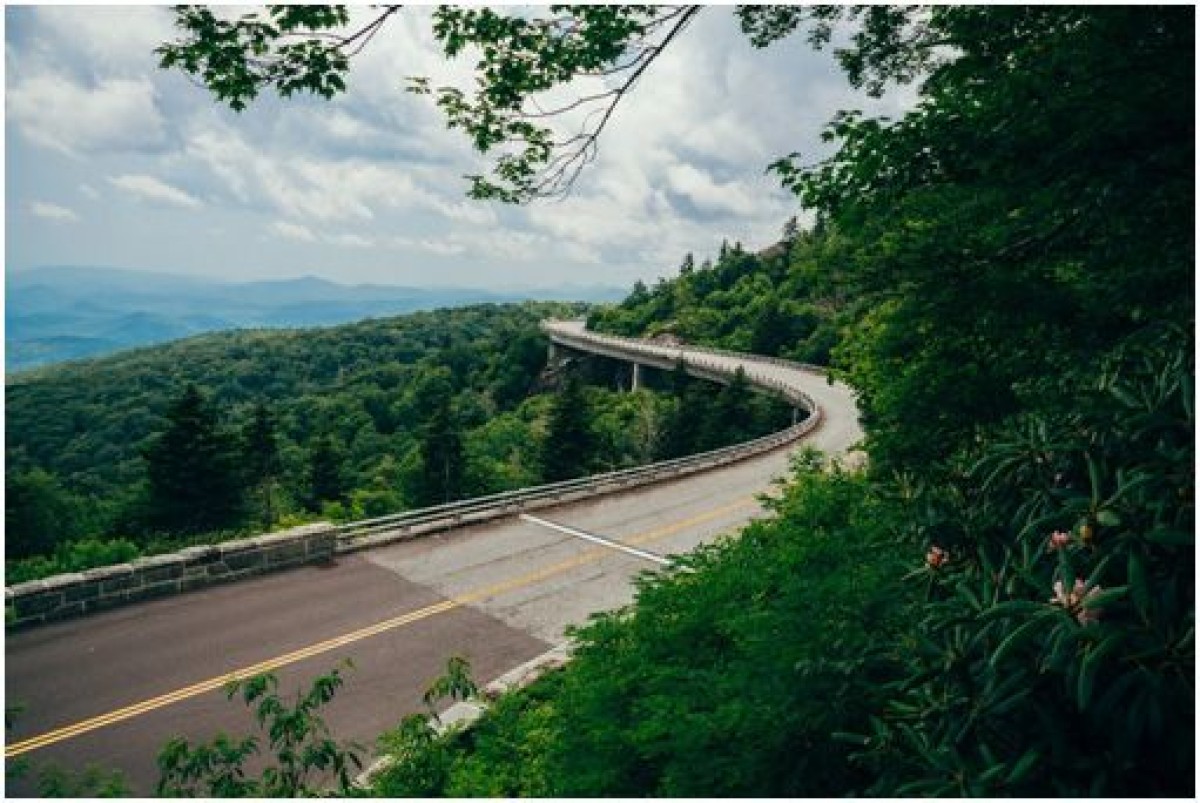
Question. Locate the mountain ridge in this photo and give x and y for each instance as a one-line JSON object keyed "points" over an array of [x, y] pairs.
{"points": [[56, 313]]}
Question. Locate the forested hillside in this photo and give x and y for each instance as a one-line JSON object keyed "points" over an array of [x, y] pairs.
{"points": [[1004, 603], [786, 301], [243, 430]]}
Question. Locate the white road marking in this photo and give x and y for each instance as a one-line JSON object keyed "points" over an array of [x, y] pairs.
{"points": [[595, 539]]}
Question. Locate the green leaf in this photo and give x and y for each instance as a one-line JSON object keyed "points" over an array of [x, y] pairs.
{"points": [[1091, 665], [1098, 572], [1169, 537], [1094, 477], [967, 594], [850, 738], [1015, 607], [1105, 596], [992, 772], [1023, 766], [1063, 644], [1014, 640], [1126, 486], [1139, 586]]}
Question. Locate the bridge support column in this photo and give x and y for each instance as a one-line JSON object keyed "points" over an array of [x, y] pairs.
{"points": [[637, 376]]}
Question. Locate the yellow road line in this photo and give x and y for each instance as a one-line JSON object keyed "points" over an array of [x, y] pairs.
{"points": [[212, 684], [187, 692]]}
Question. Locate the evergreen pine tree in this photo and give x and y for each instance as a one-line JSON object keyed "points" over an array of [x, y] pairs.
{"points": [[442, 459], [770, 332], [679, 428], [638, 296], [791, 230], [193, 481], [729, 419], [570, 443], [260, 447], [325, 483]]}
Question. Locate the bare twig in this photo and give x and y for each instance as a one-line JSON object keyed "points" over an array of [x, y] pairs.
{"points": [[560, 174]]}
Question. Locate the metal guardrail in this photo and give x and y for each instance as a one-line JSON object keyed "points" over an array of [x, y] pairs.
{"points": [[642, 345], [386, 529], [400, 526], [410, 524]]}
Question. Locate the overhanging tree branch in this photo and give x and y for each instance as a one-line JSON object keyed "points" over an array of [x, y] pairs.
{"points": [[559, 180], [308, 49]]}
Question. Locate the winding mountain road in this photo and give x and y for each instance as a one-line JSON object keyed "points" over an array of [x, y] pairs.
{"points": [[111, 688]]}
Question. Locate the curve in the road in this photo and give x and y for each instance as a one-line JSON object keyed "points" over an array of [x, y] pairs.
{"points": [[113, 687], [840, 430]]}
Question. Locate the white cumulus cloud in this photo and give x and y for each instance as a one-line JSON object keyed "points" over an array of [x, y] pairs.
{"points": [[115, 114], [351, 240], [445, 247], [152, 189], [680, 167], [118, 38], [707, 194], [293, 231], [49, 211]]}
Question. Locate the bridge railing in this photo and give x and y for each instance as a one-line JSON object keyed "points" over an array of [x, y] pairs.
{"points": [[410, 524], [62, 596], [687, 355]]}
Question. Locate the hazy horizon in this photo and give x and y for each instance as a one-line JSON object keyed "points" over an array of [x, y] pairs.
{"points": [[568, 283], [62, 313]]}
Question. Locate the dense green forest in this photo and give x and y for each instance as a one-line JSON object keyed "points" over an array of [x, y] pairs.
{"points": [[1004, 602], [786, 301], [245, 430]]}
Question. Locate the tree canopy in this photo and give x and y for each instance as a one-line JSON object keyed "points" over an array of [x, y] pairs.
{"points": [[343, 423]]}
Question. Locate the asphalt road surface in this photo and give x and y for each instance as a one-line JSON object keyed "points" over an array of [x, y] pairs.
{"points": [[113, 687]]}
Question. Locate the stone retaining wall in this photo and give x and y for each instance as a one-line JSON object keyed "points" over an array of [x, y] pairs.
{"points": [[67, 595]]}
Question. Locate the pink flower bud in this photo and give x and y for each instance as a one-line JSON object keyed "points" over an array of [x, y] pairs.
{"points": [[1058, 540]]}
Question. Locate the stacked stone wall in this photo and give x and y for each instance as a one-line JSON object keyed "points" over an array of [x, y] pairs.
{"points": [[67, 595]]}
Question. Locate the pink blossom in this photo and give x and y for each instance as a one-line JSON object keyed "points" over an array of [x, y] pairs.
{"points": [[936, 556], [1073, 600], [1058, 540]]}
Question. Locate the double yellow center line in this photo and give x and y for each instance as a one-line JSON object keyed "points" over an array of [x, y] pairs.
{"points": [[271, 664]]}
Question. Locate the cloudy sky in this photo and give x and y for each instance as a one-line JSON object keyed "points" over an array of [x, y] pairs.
{"points": [[113, 162]]}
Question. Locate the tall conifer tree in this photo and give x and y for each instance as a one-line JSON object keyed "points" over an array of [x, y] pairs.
{"points": [[679, 430], [325, 482], [260, 446], [194, 482], [570, 443], [442, 459]]}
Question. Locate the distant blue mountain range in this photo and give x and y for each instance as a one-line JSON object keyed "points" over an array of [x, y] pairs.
{"points": [[64, 313]]}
